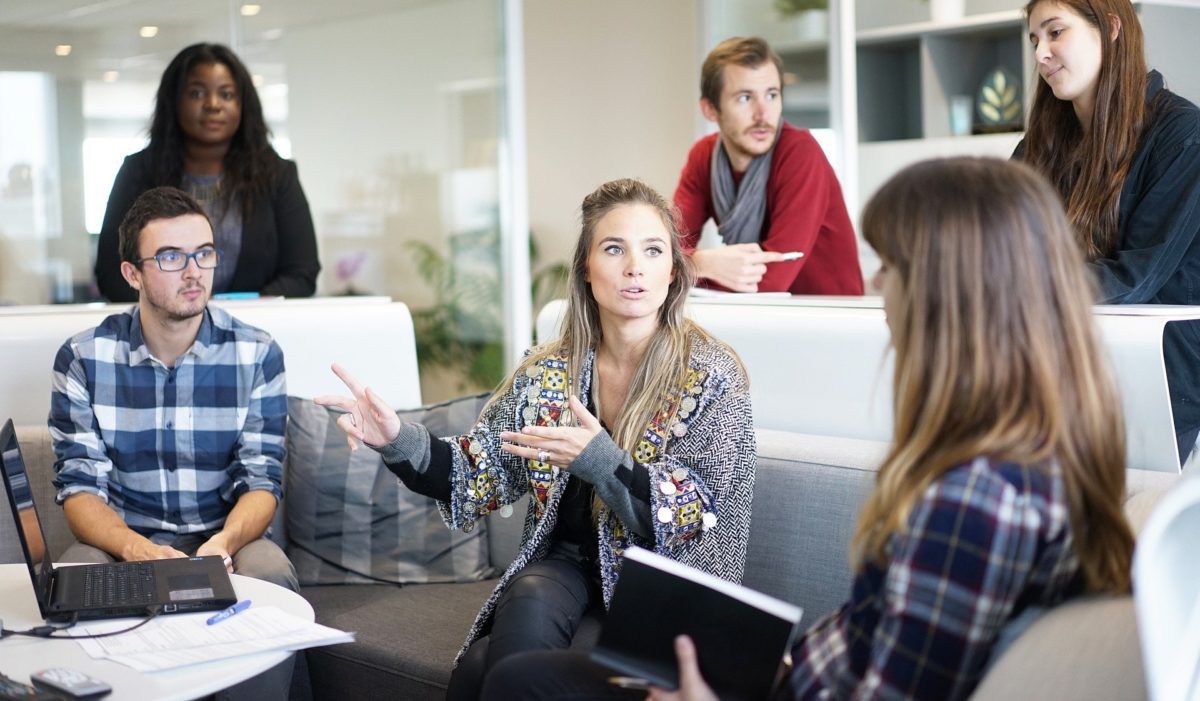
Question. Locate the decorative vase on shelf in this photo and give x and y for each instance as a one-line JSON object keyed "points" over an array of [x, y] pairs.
{"points": [[809, 18], [946, 10], [811, 25]]}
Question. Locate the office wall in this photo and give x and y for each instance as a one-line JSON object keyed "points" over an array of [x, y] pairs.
{"points": [[611, 91]]}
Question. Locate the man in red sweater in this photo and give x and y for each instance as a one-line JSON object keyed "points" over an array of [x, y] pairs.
{"points": [[767, 184]]}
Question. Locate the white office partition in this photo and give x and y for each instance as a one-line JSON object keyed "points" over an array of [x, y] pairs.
{"points": [[820, 365], [371, 336]]}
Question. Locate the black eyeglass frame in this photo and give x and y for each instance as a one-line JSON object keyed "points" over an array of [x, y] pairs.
{"points": [[187, 258]]}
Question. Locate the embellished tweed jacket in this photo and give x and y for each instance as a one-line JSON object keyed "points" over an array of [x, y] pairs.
{"points": [[699, 453]]}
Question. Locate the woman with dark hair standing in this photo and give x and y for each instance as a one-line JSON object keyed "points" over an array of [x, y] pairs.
{"points": [[208, 137], [1124, 154]]}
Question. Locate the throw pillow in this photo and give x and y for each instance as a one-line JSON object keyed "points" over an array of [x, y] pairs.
{"points": [[350, 520]]}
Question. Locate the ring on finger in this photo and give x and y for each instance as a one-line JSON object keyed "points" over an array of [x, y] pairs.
{"points": [[543, 456]]}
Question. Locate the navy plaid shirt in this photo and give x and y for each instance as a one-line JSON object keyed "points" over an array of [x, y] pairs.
{"points": [[987, 540], [170, 450]]}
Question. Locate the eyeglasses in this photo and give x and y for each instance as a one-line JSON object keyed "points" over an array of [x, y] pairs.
{"points": [[174, 261]]}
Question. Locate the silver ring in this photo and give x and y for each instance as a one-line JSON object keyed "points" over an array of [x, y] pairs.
{"points": [[543, 456], [353, 422]]}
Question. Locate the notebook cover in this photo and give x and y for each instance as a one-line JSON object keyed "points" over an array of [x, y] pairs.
{"points": [[740, 635]]}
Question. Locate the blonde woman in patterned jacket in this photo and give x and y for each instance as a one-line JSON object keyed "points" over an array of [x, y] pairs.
{"points": [[632, 428]]}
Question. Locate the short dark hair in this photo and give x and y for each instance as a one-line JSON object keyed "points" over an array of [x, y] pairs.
{"points": [[153, 204], [748, 52]]}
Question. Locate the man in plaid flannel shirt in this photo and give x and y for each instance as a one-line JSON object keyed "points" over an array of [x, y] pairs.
{"points": [[168, 419]]}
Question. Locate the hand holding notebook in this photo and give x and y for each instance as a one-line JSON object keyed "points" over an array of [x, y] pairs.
{"points": [[740, 635]]}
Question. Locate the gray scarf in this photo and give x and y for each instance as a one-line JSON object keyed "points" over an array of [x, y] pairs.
{"points": [[741, 209]]}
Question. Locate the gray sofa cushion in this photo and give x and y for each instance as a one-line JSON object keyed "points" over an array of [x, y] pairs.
{"points": [[349, 520], [406, 638], [807, 493]]}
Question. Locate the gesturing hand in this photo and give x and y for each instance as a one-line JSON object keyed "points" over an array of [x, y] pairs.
{"points": [[692, 686], [739, 267], [557, 445], [368, 418]]}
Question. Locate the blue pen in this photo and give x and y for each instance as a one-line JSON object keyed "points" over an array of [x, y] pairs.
{"points": [[231, 611]]}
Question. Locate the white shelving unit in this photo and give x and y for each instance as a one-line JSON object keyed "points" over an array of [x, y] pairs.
{"points": [[908, 73]]}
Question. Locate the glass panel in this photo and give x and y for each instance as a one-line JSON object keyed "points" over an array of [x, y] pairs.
{"points": [[30, 205], [394, 118], [392, 109]]}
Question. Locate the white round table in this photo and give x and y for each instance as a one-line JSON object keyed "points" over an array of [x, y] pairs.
{"points": [[20, 655]]}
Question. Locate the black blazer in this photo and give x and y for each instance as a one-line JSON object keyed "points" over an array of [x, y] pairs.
{"points": [[1157, 260], [279, 247]]}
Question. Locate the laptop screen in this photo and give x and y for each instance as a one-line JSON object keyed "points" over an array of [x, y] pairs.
{"points": [[20, 500]]}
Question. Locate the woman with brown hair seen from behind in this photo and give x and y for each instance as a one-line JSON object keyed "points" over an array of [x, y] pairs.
{"points": [[1124, 154], [1002, 487]]}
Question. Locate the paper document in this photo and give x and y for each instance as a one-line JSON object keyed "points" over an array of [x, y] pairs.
{"points": [[177, 641], [1175, 310], [705, 293]]}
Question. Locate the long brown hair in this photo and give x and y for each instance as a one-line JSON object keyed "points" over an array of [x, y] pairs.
{"points": [[996, 352], [1088, 167], [665, 360]]}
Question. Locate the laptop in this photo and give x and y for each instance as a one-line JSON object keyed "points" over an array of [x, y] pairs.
{"points": [[112, 590]]}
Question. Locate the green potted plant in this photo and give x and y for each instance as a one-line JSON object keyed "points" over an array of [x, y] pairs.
{"points": [[788, 8], [460, 332]]}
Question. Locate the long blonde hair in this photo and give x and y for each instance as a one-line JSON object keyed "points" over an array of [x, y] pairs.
{"points": [[665, 361], [996, 352]]}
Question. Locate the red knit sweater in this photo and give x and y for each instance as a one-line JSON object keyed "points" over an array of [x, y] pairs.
{"points": [[805, 212]]}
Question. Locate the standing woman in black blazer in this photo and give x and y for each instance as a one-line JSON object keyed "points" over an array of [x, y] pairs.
{"points": [[208, 137]]}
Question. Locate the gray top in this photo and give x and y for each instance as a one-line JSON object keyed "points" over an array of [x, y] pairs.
{"points": [[226, 217]]}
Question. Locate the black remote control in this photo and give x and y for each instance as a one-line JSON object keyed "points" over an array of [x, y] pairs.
{"points": [[69, 682]]}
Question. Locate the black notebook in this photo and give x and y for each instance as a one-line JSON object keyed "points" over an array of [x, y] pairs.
{"points": [[741, 635]]}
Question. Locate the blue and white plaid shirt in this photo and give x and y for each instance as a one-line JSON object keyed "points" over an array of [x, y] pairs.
{"points": [[987, 540], [171, 450]]}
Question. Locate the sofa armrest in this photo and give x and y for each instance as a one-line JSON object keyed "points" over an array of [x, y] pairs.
{"points": [[1084, 649]]}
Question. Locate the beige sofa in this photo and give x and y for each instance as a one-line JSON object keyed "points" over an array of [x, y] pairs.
{"points": [[807, 493]]}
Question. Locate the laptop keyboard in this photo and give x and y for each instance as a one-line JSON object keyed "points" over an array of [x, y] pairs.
{"points": [[126, 583]]}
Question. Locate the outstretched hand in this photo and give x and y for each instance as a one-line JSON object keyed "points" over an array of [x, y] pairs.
{"points": [[739, 267], [559, 445], [367, 419], [692, 686]]}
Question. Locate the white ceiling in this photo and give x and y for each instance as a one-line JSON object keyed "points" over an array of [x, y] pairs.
{"points": [[104, 33]]}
